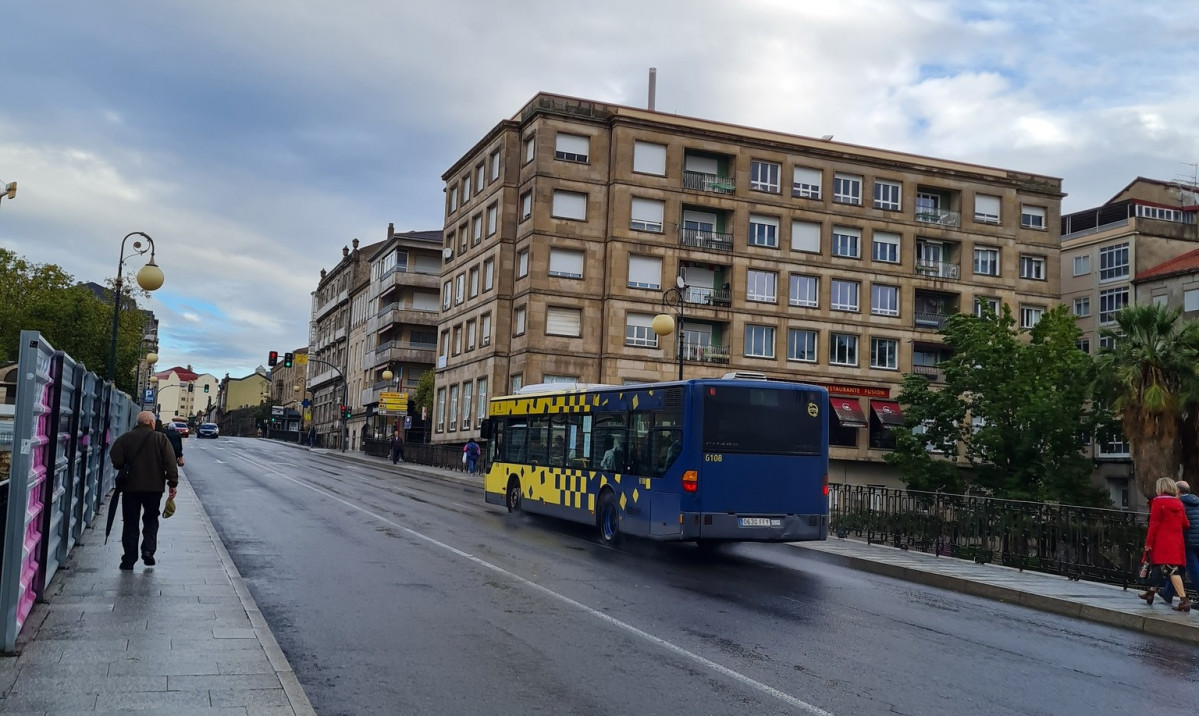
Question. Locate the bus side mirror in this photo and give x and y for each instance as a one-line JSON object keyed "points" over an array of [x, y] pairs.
{"points": [[485, 429]]}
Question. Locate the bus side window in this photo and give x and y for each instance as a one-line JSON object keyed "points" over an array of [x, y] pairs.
{"points": [[514, 440], [538, 452], [578, 440], [557, 442], [497, 439], [608, 442], [668, 440], [640, 453]]}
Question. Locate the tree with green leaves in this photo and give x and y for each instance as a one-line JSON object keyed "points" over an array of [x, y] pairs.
{"points": [[44, 298], [423, 396], [1148, 373], [1013, 417]]}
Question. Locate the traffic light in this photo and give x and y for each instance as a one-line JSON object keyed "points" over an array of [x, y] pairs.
{"points": [[205, 387], [347, 412], [272, 358], [287, 359], [191, 387]]}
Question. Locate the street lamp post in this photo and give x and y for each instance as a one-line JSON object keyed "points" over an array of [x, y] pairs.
{"points": [[149, 277], [664, 324]]}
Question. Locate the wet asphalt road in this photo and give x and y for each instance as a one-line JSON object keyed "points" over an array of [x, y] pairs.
{"points": [[396, 594]]}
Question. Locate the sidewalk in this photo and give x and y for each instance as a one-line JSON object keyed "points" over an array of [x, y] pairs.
{"points": [[182, 637], [1102, 603]]}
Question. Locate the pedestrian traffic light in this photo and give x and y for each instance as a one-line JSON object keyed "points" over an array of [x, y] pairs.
{"points": [[272, 358], [287, 359]]}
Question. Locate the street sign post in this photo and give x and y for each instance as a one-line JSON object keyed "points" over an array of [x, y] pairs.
{"points": [[391, 403]]}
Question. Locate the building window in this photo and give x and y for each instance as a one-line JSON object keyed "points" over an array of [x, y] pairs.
{"points": [[884, 353], [986, 261], [759, 341], [1190, 299], [571, 148], [445, 344], [565, 263], [806, 183], [1032, 267], [763, 231], [982, 304], [649, 158], [480, 178], [476, 229], [843, 349], [1030, 316], [530, 149], [887, 195], [646, 215], [847, 242], [886, 247], [638, 331], [460, 288], [1108, 342], [453, 198], [522, 263], [465, 189], [570, 205], [764, 176], [801, 345], [474, 282], [492, 223], [1082, 306], [1111, 301], [884, 300], [1032, 217], [495, 166], [447, 294], [805, 291], [847, 189], [457, 340], [562, 321], [1082, 265], [761, 286], [526, 205], [844, 295], [467, 394], [441, 410], [453, 416], [645, 272], [1161, 300], [481, 391], [805, 236], [986, 209], [1084, 345], [518, 320], [517, 381], [1113, 262], [485, 330], [488, 274], [471, 332]]}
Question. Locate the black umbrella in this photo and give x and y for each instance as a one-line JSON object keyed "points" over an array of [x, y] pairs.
{"points": [[112, 513]]}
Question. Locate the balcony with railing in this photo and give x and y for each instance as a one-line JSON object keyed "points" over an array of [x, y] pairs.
{"points": [[399, 350], [705, 296], [704, 353], [939, 217], [938, 269], [706, 240], [934, 320], [701, 181], [932, 372]]}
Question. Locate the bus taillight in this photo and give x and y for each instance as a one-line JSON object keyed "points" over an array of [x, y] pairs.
{"points": [[826, 484], [691, 481]]}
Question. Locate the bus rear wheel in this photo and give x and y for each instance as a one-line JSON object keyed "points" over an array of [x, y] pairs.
{"points": [[607, 519], [512, 497]]}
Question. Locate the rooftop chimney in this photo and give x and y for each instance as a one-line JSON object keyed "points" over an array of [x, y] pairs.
{"points": [[653, 87]]}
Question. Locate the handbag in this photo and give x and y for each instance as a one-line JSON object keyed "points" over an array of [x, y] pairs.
{"points": [[122, 478], [463, 457]]}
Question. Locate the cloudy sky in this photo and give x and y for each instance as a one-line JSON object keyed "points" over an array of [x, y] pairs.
{"points": [[253, 139]]}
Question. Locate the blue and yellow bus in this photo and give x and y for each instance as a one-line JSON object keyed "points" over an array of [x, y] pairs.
{"points": [[710, 460]]}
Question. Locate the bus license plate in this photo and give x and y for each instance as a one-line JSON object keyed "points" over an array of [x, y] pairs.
{"points": [[758, 522]]}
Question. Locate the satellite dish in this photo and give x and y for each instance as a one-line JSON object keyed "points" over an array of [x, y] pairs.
{"points": [[447, 253], [678, 281]]}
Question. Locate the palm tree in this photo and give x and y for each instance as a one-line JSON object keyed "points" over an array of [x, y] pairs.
{"points": [[1143, 377]]}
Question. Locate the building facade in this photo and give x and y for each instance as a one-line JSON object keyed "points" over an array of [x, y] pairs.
{"points": [[402, 317], [182, 393], [289, 389], [568, 226], [1173, 283], [329, 340], [1104, 248]]}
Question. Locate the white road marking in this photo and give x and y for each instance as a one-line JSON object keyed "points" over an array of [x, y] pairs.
{"points": [[659, 641]]}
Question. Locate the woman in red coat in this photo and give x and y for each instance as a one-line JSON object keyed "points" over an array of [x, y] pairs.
{"points": [[1164, 545]]}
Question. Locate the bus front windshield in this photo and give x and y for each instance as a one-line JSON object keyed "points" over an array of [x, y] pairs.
{"points": [[762, 421]]}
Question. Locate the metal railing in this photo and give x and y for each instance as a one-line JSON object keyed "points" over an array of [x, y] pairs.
{"points": [[931, 371], [1078, 542], [938, 269], [448, 457], [924, 319], [940, 217], [699, 181], [704, 239], [703, 296], [702, 353]]}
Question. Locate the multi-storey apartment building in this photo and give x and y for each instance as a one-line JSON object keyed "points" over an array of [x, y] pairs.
{"points": [[288, 389], [402, 312], [182, 393], [329, 339], [568, 225], [1104, 248], [1173, 283]]}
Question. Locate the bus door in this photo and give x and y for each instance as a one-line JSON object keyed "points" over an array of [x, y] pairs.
{"points": [[762, 450]]}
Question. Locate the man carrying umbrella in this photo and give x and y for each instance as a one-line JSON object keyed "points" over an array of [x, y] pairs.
{"points": [[151, 461]]}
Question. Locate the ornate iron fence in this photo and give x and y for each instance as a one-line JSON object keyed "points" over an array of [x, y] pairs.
{"points": [[1078, 542]]}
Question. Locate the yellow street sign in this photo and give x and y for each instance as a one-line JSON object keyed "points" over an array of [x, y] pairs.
{"points": [[390, 402], [300, 359]]}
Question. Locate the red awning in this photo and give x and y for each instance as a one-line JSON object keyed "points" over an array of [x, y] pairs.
{"points": [[848, 410], [888, 413]]}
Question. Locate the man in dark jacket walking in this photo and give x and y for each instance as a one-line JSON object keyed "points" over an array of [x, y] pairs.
{"points": [[176, 440], [397, 447], [1190, 539], [152, 466]]}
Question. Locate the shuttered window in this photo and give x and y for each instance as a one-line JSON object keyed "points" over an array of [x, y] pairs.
{"points": [[570, 205], [645, 272], [649, 158], [986, 209], [571, 148], [561, 321], [646, 215], [805, 236], [566, 263]]}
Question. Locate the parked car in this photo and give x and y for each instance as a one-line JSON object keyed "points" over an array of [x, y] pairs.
{"points": [[207, 430], [180, 428]]}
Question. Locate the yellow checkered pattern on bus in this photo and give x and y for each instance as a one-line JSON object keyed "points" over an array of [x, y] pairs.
{"points": [[565, 487]]}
